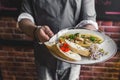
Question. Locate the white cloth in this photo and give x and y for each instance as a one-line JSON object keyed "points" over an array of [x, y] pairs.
{"points": [[25, 16], [75, 72], [85, 22]]}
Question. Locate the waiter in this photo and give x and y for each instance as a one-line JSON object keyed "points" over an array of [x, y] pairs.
{"points": [[41, 19]]}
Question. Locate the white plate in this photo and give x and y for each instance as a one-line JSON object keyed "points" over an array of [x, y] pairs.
{"points": [[108, 45]]}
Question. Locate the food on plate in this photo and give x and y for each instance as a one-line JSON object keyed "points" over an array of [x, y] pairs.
{"points": [[84, 40], [77, 48], [97, 52], [63, 51], [74, 47]]}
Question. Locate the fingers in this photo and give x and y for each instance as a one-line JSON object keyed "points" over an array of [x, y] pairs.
{"points": [[42, 36], [45, 33], [89, 26]]}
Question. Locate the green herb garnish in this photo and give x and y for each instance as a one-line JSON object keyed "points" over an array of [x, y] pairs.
{"points": [[92, 38], [71, 36]]}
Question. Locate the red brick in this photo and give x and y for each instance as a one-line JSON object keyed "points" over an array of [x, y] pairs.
{"points": [[23, 59], [1, 30], [99, 74], [17, 36], [7, 58], [99, 64], [3, 24], [116, 75], [12, 24], [113, 59], [30, 54], [29, 64], [31, 71], [106, 74], [105, 78], [15, 64], [112, 64], [7, 48], [86, 68], [20, 69], [115, 35], [24, 78], [6, 36], [28, 49], [8, 73], [100, 69], [8, 30], [116, 30], [17, 54], [18, 48], [3, 53], [117, 55], [113, 70], [8, 18], [107, 23], [87, 78], [86, 73], [8, 78], [3, 65], [27, 74], [117, 23]]}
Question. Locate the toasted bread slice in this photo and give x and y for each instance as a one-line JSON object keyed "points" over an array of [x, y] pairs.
{"points": [[78, 49], [55, 50]]}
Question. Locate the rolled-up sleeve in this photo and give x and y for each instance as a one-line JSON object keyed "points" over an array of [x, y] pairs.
{"points": [[25, 16], [26, 11]]}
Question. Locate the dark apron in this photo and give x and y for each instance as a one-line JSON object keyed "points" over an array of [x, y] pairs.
{"points": [[57, 14]]}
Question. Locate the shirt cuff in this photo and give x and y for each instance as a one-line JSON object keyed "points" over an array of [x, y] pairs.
{"points": [[85, 22], [25, 15]]}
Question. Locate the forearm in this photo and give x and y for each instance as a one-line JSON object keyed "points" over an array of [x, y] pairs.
{"points": [[27, 26], [89, 12], [39, 33], [89, 15]]}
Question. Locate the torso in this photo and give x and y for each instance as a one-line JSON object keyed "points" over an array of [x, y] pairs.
{"points": [[57, 14]]}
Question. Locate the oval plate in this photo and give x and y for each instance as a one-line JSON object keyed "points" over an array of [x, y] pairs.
{"points": [[108, 45]]}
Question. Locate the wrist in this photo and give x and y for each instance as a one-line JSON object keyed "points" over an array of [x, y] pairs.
{"points": [[35, 33], [87, 22]]}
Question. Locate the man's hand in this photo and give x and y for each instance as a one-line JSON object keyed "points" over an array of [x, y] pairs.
{"points": [[89, 26], [44, 33]]}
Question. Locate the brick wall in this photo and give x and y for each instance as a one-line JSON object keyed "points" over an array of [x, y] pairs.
{"points": [[17, 59]]}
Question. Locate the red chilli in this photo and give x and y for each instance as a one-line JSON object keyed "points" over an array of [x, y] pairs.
{"points": [[64, 47]]}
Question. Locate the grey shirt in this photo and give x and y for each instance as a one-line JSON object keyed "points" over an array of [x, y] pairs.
{"points": [[57, 14]]}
